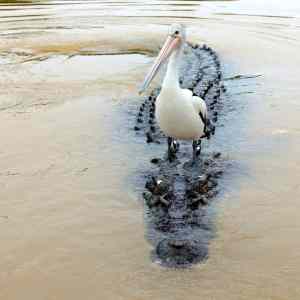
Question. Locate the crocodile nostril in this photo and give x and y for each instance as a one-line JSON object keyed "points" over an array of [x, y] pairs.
{"points": [[180, 253], [177, 244]]}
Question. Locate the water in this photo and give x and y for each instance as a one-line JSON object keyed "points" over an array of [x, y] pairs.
{"points": [[71, 227]]}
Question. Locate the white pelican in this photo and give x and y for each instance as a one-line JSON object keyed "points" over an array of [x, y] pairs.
{"points": [[179, 114]]}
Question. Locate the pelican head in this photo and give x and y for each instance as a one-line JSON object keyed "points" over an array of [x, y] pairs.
{"points": [[174, 41]]}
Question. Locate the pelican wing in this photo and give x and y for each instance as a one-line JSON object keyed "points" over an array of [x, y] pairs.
{"points": [[200, 107]]}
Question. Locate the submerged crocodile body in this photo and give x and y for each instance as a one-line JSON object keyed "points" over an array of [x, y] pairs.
{"points": [[177, 194]]}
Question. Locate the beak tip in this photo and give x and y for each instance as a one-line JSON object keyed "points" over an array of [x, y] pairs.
{"points": [[141, 91]]}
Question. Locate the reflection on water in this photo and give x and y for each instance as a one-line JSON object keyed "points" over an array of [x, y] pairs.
{"points": [[69, 226]]}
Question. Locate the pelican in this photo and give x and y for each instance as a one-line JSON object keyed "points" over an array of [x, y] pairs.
{"points": [[179, 114]]}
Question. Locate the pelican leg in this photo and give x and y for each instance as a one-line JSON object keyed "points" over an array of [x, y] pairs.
{"points": [[172, 148], [196, 149]]}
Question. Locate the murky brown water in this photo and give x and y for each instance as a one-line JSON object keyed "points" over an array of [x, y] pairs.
{"points": [[70, 227]]}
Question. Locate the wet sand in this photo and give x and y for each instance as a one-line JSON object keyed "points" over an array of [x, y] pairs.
{"points": [[71, 220]]}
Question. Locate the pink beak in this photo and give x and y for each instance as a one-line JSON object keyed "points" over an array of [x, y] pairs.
{"points": [[170, 45]]}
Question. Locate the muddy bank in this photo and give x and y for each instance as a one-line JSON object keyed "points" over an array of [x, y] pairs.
{"points": [[178, 192]]}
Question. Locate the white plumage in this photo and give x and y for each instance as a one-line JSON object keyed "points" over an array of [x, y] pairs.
{"points": [[179, 114], [177, 110]]}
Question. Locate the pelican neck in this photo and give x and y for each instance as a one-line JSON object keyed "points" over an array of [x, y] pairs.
{"points": [[172, 74]]}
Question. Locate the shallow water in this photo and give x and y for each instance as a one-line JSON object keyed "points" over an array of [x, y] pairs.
{"points": [[71, 221]]}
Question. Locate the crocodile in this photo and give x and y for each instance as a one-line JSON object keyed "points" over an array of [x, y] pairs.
{"points": [[178, 193]]}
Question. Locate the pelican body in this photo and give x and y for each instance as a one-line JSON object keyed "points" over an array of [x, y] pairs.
{"points": [[179, 114]]}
